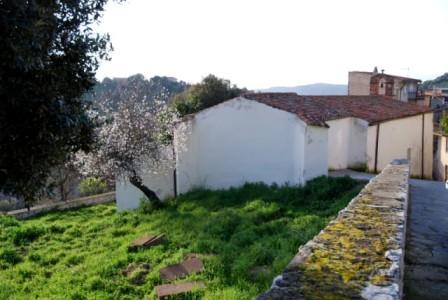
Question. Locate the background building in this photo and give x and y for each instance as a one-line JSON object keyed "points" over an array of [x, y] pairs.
{"points": [[380, 84], [368, 132]]}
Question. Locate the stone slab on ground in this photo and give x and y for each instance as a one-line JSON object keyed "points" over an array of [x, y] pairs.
{"points": [[188, 266], [147, 241], [166, 290]]}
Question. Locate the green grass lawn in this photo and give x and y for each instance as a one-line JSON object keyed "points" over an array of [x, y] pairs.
{"points": [[247, 235]]}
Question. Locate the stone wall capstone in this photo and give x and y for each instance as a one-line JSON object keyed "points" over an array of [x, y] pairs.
{"points": [[84, 201], [359, 255]]}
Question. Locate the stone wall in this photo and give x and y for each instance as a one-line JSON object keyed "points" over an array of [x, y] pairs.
{"points": [[84, 201], [360, 254]]}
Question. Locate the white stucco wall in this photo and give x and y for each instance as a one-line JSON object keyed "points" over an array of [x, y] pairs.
{"points": [[315, 156], [441, 158], [242, 141], [396, 137], [160, 180], [347, 142]]}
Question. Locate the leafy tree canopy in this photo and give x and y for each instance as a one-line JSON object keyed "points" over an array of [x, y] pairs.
{"points": [[210, 91], [48, 58], [117, 90], [441, 82]]}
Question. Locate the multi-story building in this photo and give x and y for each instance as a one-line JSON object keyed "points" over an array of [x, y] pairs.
{"points": [[380, 84]]}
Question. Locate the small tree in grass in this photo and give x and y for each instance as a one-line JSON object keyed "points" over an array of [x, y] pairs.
{"points": [[133, 138]]}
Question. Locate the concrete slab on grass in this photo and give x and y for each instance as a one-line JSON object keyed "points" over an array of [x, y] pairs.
{"points": [[147, 241], [188, 266]]}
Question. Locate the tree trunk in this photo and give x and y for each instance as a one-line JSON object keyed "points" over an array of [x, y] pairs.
{"points": [[27, 204], [137, 181], [63, 192]]}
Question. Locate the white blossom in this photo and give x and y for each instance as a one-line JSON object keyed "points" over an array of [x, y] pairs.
{"points": [[133, 139]]}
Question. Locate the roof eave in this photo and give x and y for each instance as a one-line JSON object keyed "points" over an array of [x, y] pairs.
{"points": [[398, 118]]}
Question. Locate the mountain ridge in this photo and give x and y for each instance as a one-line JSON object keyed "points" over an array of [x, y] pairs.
{"points": [[310, 89]]}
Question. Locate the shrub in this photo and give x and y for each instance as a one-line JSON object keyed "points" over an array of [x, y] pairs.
{"points": [[92, 186]]}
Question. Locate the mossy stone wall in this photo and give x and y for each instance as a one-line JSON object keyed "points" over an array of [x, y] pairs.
{"points": [[359, 255]]}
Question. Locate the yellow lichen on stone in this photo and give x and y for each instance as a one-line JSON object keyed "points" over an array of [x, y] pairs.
{"points": [[354, 248], [349, 256]]}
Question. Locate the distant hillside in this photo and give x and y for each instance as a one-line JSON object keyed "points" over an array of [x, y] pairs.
{"points": [[440, 82], [311, 89], [119, 89]]}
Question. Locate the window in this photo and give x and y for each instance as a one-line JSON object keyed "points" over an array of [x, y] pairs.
{"points": [[381, 85]]}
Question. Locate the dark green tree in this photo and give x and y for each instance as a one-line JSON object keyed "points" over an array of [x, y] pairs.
{"points": [[440, 82], [210, 91], [48, 58]]}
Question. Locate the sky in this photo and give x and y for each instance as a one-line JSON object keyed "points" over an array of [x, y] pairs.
{"points": [[264, 43]]}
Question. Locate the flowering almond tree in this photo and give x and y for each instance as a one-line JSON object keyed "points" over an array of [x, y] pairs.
{"points": [[133, 137]]}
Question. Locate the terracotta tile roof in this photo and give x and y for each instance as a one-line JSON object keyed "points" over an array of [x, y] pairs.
{"points": [[306, 109], [316, 110], [373, 109], [389, 75]]}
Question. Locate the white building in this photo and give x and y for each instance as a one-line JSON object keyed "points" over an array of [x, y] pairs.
{"points": [[368, 132], [255, 138], [380, 84], [286, 138]]}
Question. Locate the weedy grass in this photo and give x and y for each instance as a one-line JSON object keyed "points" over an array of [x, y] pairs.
{"points": [[247, 235]]}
